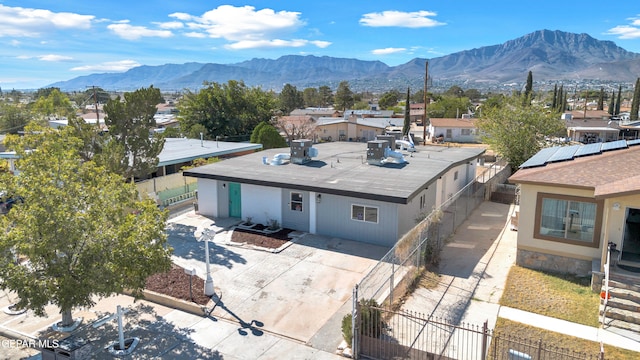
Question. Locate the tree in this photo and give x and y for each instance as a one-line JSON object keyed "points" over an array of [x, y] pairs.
{"points": [[406, 127], [13, 118], [84, 232], [601, 99], [528, 89], [130, 122], [455, 90], [293, 130], [344, 96], [268, 136], [230, 109], [619, 101], [472, 94], [516, 131], [290, 99], [326, 96], [612, 103], [311, 97], [449, 107], [635, 102], [55, 104], [554, 104], [389, 99]]}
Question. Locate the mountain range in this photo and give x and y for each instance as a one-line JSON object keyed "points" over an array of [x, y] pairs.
{"points": [[553, 56]]}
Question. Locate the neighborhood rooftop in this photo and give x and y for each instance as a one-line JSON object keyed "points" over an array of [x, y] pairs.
{"points": [[341, 168]]}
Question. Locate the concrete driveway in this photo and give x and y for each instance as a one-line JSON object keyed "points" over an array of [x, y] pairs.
{"points": [[301, 293]]}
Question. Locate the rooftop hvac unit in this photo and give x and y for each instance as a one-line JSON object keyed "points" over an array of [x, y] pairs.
{"points": [[390, 138], [301, 151], [376, 151]]}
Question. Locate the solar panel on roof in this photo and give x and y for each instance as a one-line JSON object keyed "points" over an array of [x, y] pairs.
{"points": [[564, 153], [589, 149], [540, 158], [633, 142], [614, 145]]}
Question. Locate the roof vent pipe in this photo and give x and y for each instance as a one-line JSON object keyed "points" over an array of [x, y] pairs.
{"points": [[201, 139]]}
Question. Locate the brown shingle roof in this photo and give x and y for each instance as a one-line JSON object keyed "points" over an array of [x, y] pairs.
{"points": [[609, 174]]}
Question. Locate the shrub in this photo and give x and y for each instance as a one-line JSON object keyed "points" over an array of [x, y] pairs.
{"points": [[347, 330], [371, 323]]}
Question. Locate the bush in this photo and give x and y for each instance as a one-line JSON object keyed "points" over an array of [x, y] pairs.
{"points": [[371, 323], [347, 330]]}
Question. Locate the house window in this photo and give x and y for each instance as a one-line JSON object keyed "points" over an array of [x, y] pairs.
{"points": [[423, 201], [364, 213], [455, 176], [296, 201], [568, 219], [466, 132]]}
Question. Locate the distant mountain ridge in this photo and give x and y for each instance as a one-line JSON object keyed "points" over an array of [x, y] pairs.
{"points": [[550, 55]]}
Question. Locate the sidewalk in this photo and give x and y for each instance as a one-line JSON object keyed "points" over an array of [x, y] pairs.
{"points": [[475, 265]]}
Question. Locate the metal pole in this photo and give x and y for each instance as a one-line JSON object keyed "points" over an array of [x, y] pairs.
{"points": [[208, 285], [120, 332]]}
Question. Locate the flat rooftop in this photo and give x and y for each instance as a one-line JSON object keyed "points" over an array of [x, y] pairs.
{"points": [[179, 150], [341, 168]]}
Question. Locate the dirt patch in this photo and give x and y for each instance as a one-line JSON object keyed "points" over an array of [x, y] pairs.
{"points": [[256, 238], [175, 283]]}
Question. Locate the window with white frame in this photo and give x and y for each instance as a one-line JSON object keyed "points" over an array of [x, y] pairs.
{"points": [[296, 201], [364, 213], [466, 132]]}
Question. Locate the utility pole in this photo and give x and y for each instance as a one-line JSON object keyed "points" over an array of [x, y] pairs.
{"points": [[424, 117]]}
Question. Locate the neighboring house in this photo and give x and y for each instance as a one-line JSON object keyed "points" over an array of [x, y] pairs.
{"points": [[352, 128], [453, 130], [416, 113], [576, 199], [345, 191], [316, 112], [593, 128]]}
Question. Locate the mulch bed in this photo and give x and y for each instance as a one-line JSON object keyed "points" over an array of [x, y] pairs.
{"points": [[269, 241], [175, 283]]}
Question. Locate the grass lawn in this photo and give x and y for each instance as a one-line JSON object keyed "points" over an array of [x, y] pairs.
{"points": [[553, 339], [563, 297], [560, 296]]}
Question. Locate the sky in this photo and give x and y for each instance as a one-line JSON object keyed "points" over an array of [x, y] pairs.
{"points": [[42, 42]]}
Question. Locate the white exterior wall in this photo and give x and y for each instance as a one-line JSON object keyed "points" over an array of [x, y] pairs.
{"points": [[261, 203], [208, 197]]}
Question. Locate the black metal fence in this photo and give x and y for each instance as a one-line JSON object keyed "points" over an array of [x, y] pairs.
{"points": [[385, 334]]}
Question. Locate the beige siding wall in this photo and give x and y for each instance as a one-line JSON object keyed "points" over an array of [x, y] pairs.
{"points": [[526, 240]]}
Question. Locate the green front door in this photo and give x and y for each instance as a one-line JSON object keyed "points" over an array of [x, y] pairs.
{"points": [[235, 209]]}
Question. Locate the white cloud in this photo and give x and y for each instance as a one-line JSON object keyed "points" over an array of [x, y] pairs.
{"points": [[417, 19], [273, 43], [627, 31], [112, 66], [387, 51], [245, 23], [194, 34], [15, 42], [54, 58], [131, 32], [624, 32], [27, 22], [182, 16], [170, 25]]}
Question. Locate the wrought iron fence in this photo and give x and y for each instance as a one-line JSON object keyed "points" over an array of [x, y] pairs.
{"points": [[385, 334]]}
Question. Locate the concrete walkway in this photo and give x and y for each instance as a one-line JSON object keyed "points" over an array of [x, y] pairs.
{"points": [[474, 267]]}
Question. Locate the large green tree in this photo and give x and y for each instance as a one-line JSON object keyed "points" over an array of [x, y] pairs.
{"points": [[290, 99], [619, 101], [326, 96], [130, 121], [230, 109], [13, 118], [635, 102], [267, 135], [528, 89], [55, 104], [516, 131], [448, 106], [83, 231], [344, 97], [389, 99]]}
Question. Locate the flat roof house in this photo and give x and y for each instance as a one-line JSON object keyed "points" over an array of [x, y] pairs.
{"points": [[359, 191]]}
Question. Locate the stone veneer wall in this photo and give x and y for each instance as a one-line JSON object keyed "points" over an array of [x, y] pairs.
{"points": [[553, 263]]}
